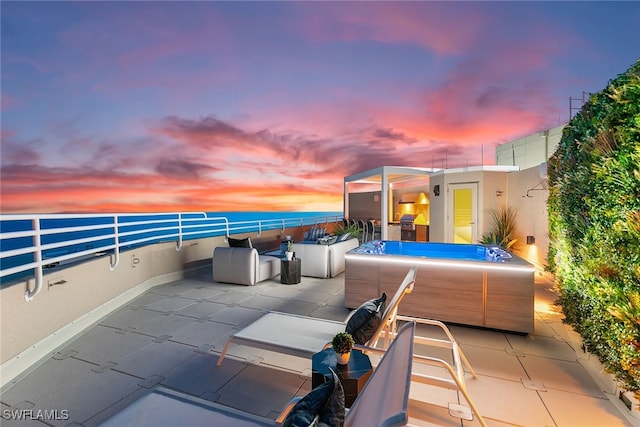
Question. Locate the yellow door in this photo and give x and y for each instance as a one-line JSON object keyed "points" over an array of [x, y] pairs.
{"points": [[463, 213]]}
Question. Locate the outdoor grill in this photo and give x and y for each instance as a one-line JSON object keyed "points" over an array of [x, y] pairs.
{"points": [[407, 227]]}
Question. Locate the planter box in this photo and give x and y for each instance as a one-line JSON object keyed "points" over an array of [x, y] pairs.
{"points": [[625, 400]]}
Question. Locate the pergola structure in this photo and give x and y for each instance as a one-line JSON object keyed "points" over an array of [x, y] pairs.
{"points": [[386, 178]]}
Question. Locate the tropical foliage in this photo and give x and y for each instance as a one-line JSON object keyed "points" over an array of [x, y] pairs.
{"points": [[503, 228], [594, 225], [352, 229]]}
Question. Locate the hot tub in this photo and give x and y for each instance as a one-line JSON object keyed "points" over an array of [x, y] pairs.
{"points": [[468, 284]]}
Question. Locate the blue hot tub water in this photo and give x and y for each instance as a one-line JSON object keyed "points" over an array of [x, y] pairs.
{"points": [[456, 251]]}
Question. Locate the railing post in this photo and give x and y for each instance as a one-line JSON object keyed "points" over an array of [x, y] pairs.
{"points": [[37, 244], [226, 222], [116, 251], [179, 243]]}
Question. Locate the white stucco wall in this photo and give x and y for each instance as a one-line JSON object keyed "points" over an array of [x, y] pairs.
{"points": [[497, 190], [492, 194], [532, 212]]}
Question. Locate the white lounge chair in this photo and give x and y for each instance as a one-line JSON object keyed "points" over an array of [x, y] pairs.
{"points": [[304, 336], [374, 406], [454, 367]]}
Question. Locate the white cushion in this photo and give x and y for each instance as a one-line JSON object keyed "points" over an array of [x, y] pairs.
{"points": [[243, 266], [323, 260]]}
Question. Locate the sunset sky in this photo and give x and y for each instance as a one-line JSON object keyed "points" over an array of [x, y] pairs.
{"points": [[234, 106]]}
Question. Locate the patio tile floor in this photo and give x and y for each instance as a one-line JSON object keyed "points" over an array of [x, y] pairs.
{"points": [[171, 336]]}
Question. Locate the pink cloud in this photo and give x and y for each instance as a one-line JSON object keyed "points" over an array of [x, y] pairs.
{"points": [[181, 168], [209, 164], [437, 27], [295, 172], [18, 153], [39, 189]]}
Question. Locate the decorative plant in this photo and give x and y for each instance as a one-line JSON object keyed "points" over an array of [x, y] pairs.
{"points": [[342, 342], [594, 225], [352, 229], [503, 230]]}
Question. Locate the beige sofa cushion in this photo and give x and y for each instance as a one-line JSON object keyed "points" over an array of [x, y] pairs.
{"points": [[323, 260], [315, 259], [268, 267], [243, 266], [337, 252]]}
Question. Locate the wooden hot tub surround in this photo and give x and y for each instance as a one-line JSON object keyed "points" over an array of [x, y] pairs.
{"points": [[497, 295]]}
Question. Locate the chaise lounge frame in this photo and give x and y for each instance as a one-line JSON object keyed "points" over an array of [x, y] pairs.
{"points": [[455, 369], [303, 336]]}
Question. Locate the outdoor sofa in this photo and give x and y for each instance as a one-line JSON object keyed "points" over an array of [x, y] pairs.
{"points": [[323, 260], [241, 264]]}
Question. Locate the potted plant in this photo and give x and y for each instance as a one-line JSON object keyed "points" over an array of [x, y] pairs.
{"points": [[289, 252], [342, 344]]}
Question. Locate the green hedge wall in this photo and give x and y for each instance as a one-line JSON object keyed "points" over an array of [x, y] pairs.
{"points": [[594, 225]]}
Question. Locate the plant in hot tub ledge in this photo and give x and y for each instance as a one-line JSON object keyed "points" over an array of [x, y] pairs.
{"points": [[342, 344]]}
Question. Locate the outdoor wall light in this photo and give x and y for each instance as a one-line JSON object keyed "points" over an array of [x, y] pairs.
{"points": [[404, 199], [531, 240], [422, 199]]}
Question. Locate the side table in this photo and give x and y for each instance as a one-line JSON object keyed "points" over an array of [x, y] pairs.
{"points": [[290, 271], [353, 375]]}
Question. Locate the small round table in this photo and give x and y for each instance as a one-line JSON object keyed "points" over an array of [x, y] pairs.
{"points": [[353, 375]]}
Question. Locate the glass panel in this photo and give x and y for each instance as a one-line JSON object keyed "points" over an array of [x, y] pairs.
{"points": [[463, 215]]}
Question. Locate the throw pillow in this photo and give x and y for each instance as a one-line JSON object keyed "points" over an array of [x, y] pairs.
{"points": [[364, 322], [344, 237], [239, 243], [327, 240], [332, 415], [304, 412]]}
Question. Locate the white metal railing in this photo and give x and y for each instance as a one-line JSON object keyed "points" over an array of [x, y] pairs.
{"points": [[32, 242]]}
